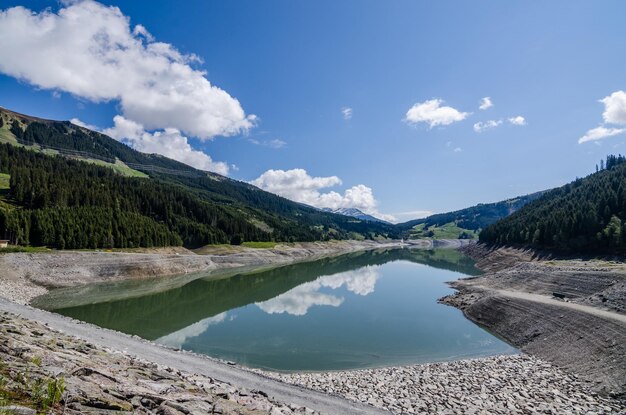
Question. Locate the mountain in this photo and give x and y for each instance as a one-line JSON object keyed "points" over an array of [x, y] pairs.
{"points": [[586, 215], [67, 139], [355, 213], [65, 186], [465, 223]]}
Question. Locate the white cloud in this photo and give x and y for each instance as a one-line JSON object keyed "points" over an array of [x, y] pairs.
{"points": [[432, 113], [295, 184], [298, 185], [89, 50], [168, 142], [140, 30], [599, 133], [79, 123], [485, 103], [297, 301], [457, 150], [275, 143], [614, 108], [481, 126], [518, 120], [346, 112], [614, 113]]}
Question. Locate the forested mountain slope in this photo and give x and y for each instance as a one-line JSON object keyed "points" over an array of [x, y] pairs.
{"points": [[465, 222], [586, 215], [57, 195], [65, 138]]}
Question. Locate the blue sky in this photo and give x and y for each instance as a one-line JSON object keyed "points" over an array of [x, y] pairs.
{"points": [[296, 65]]}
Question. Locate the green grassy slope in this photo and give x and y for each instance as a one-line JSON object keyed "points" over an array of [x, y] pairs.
{"points": [[446, 231], [469, 220], [8, 118], [239, 209]]}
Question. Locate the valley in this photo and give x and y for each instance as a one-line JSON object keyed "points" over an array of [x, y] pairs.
{"points": [[209, 270]]}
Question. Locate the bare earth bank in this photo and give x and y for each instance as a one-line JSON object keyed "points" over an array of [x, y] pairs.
{"points": [[110, 372], [570, 312]]}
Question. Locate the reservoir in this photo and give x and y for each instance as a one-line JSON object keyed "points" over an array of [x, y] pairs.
{"points": [[360, 310]]}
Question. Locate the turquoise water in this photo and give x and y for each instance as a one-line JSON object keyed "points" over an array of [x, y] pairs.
{"points": [[361, 310]]}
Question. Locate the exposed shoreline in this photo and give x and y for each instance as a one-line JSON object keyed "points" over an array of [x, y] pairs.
{"points": [[508, 384], [582, 333], [95, 363], [28, 275], [28, 332], [504, 384]]}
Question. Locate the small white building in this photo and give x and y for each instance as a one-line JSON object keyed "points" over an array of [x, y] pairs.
{"points": [[4, 243]]}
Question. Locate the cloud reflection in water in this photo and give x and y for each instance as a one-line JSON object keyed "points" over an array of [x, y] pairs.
{"points": [[297, 301], [178, 338]]}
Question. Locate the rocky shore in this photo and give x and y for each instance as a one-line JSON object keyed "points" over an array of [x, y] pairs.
{"points": [[518, 384], [93, 379], [570, 312], [103, 372], [103, 380]]}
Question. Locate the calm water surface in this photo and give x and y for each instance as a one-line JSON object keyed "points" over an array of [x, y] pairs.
{"points": [[360, 310]]}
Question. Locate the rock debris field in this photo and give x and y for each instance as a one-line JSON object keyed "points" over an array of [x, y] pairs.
{"points": [[101, 381], [517, 384]]}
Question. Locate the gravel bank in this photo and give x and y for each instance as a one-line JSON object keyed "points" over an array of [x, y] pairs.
{"points": [[518, 384]]}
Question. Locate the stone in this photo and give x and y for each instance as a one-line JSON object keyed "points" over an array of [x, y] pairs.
{"points": [[17, 410]]}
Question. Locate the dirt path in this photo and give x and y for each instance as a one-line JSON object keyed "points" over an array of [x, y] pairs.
{"points": [[544, 299], [585, 335]]}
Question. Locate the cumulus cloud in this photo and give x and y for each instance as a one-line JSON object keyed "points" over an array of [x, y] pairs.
{"points": [[295, 184], [457, 149], [90, 50], [433, 113], [299, 300], [298, 185], [481, 126], [168, 142], [346, 112], [485, 103], [518, 120], [599, 133], [614, 113], [614, 108]]}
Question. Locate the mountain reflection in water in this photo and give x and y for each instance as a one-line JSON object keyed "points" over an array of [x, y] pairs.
{"points": [[357, 310]]}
